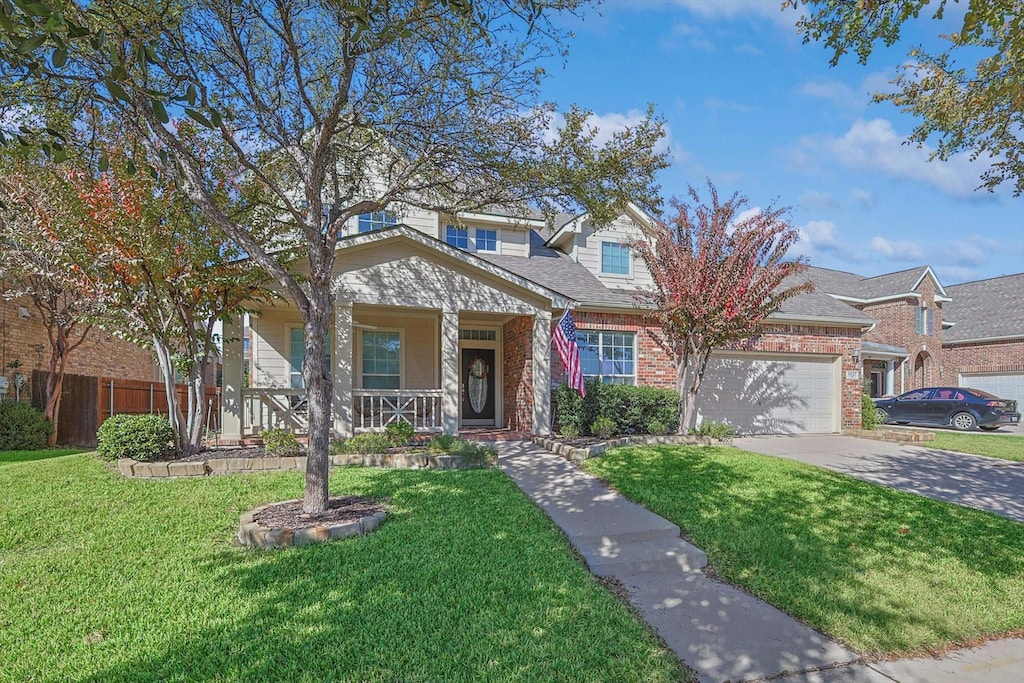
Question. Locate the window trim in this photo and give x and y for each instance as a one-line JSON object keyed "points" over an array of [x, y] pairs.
{"points": [[629, 259], [454, 229], [401, 357], [497, 240], [600, 349], [924, 321], [388, 219]]}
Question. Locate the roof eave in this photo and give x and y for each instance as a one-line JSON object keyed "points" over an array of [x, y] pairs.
{"points": [[1008, 337], [827, 321]]}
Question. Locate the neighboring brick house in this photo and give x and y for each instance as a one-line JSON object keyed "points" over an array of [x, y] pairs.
{"points": [[970, 334], [24, 347], [447, 324]]}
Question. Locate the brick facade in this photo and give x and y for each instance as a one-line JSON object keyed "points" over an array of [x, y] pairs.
{"points": [[897, 326], [517, 373], [996, 356], [23, 340]]}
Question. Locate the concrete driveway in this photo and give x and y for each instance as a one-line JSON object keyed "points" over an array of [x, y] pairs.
{"points": [[972, 480]]}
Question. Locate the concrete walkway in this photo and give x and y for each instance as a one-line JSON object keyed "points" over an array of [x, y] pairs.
{"points": [[719, 631]]}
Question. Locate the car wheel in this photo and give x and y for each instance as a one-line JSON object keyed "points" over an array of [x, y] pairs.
{"points": [[965, 422], [988, 428], [881, 416]]}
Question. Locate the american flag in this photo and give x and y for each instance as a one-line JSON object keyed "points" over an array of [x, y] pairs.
{"points": [[569, 351]]}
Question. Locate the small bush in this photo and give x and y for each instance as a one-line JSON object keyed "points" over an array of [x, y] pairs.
{"points": [[368, 443], [474, 453], [603, 427], [569, 431], [399, 432], [280, 442], [442, 443], [715, 430], [22, 427], [868, 416], [657, 428], [632, 407], [140, 437]]}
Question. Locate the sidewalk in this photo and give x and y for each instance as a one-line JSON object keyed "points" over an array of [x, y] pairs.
{"points": [[719, 631]]}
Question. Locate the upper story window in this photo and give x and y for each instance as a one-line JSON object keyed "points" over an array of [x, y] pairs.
{"points": [[486, 240], [608, 356], [457, 237], [925, 321], [368, 222], [615, 258]]}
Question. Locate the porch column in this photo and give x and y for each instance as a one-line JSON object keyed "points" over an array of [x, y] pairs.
{"points": [[342, 353], [450, 388], [231, 380], [890, 377], [542, 373]]}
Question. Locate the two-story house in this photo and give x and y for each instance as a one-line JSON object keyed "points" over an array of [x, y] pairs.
{"points": [[447, 323]]}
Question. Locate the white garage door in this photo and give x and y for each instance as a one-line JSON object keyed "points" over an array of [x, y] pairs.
{"points": [[771, 394], [1009, 385]]}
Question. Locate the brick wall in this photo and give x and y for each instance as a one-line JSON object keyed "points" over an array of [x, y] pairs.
{"points": [[517, 373], [24, 340], [897, 325], [1002, 356]]}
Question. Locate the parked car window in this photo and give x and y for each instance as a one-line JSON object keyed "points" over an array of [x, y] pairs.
{"points": [[943, 395], [959, 396], [982, 394], [919, 395]]}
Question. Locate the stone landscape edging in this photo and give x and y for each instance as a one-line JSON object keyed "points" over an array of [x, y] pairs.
{"points": [[577, 455], [213, 466], [891, 434], [254, 535]]}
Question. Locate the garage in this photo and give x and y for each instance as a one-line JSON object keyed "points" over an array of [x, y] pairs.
{"points": [[772, 393], [1006, 385]]}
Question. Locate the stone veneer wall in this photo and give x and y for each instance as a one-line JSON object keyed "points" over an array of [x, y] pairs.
{"points": [[517, 373], [1002, 356]]}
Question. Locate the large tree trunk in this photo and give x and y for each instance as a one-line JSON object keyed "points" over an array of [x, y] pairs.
{"points": [[54, 390], [319, 390], [196, 406], [174, 414], [689, 376]]}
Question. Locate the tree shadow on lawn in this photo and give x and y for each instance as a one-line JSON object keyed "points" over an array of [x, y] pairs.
{"points": [[882, 570], [9, 457], [464, 581]]}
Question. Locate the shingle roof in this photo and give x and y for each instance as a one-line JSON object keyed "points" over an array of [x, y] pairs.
{"points": [[985, 309], [869, 346], [841, 283], [819, 304]]}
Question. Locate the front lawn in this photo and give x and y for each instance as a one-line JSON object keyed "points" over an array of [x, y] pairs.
{"points": [[7, 457], [883, 570], [1007, 447], [106, 578]]}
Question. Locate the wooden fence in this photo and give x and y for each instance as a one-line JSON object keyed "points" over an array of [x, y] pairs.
{"points": [[87, 401]]}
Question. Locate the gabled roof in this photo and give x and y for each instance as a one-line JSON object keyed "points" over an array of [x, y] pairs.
{"points": [[986, 309], [861, 289], [819, 305], [574, 222]]}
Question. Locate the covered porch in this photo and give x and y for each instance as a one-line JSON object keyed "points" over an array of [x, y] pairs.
{"points": [[880, 368]]}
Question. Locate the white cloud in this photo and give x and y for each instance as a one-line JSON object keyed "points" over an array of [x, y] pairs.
{"points": [[892, 250], [819, 200], [607, 125], [862, 197], [683, 33], [746, 214], [732, 10], [748, 49], [819, 239], [845, 96], [875, 146]]}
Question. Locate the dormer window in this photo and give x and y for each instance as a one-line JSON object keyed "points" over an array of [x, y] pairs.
{"points": [[615, 258], [925, 321], [486, 240], [375, 220], [457, 237]]}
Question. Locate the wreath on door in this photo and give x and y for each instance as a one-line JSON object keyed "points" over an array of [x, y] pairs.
{"points": [[478, 372]]}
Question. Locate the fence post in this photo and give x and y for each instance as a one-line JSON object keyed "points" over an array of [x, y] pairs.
{"points": [[150, 398], [111, 398]]}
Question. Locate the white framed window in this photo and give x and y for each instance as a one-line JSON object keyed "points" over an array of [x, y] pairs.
{"points": [[608, 356], [486, 240], [297, 353], [375, 220], [457, 237], [615, 258], [382, 359]]}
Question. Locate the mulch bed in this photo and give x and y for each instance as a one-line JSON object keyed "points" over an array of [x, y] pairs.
{"points": [[339, 509]]}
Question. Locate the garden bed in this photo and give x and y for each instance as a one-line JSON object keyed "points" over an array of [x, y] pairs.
{"points": [[279, 525]]}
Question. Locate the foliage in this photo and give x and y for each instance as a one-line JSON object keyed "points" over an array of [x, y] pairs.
{"points": [[714, 430], [442, 443], [632, 407], [22, 427], [604, 427], [717, 276], [868, 414], [657, 428], [399, 432], [139, 437], [976, 107], [904, 573], [569, 431], [368, 443], [1003, 446], [280, 442], [150, 570], [474, 453], [10, 457]]}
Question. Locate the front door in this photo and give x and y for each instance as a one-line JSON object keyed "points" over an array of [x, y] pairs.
{"points": [[477, 379]]}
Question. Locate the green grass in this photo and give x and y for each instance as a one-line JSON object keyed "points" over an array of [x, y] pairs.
{"points": [[7, 457], [882, 570], [1007, 447], [106, 578]]}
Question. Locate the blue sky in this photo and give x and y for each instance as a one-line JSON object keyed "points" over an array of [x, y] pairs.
{"points": [[752, 108]]}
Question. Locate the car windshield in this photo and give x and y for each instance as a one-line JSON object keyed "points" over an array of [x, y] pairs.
{"points": [[918, 395]]}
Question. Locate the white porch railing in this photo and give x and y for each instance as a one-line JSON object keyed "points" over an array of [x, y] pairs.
{"points": [[374, 409], [269, 408]]}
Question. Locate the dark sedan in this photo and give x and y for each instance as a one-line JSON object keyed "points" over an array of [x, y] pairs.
{"points": [[958, 407]]}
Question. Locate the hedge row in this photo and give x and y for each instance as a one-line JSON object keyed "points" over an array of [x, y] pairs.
{"points": [[633, 409]]}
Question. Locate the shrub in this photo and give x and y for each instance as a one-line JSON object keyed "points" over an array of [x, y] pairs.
{"points": [[474, 453], [368, 443], [140, 437], [399, 432], [603, 427], [442, 443], [280, 442], [632, 407], [715, 430], [22, 427], [657, 428], [569, 431], [868, 416]]}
